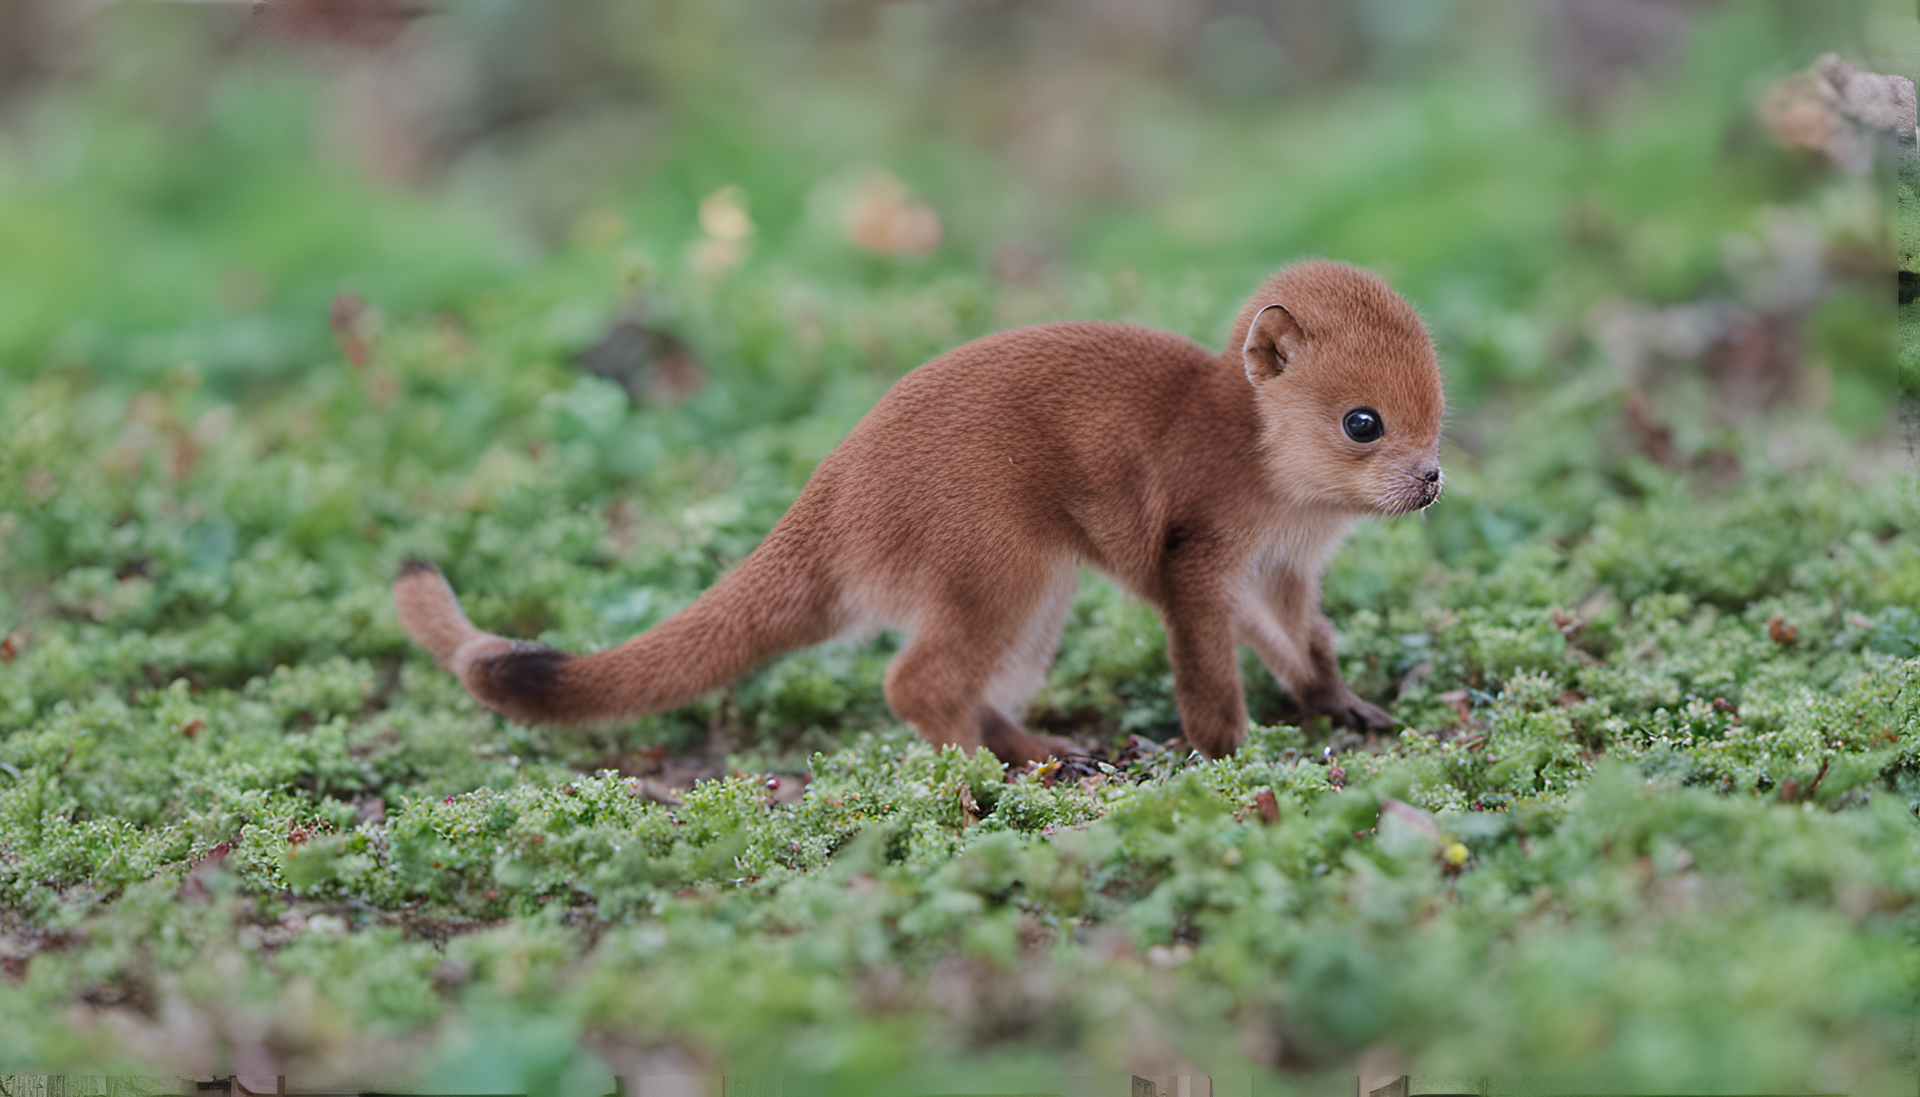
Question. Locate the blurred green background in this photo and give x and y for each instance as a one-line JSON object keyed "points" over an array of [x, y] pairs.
{"points": [[201, 180], [571, 297]]}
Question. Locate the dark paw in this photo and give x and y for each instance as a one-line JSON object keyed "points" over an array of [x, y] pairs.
{"points": [[1212, 747], [1016, 747], [1360, 716]]}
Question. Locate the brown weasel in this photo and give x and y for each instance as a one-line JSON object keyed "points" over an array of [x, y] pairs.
{"points": [[959, 510]]}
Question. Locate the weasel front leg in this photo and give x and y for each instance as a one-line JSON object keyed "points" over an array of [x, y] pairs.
{"points": [[1284, 625], [1206, 674]]}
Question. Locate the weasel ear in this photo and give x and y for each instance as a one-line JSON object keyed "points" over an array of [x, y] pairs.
{"points": [[1272, 340]]}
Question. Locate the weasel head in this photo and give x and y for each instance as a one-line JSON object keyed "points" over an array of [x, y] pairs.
{"points": [[1347, 386]]}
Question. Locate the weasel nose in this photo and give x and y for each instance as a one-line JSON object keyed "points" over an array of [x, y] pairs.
{"points": [[1433, 475]]}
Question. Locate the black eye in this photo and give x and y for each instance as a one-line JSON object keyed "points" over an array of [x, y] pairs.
{"points": [[1363, 425]]}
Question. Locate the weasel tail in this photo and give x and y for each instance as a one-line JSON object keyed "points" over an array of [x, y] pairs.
{"points": [[772, 603]]}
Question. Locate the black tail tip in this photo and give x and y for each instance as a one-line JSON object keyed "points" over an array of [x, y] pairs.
{"points": [[414, 565], [526, 678]]}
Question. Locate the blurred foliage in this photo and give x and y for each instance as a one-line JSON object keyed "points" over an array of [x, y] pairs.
{"points": [[1662, 694]]}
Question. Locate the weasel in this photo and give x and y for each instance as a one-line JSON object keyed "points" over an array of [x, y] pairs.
{"points": [[1213, 486]]}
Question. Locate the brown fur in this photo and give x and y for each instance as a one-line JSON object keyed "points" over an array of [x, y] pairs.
{"points": [[958, 511]]}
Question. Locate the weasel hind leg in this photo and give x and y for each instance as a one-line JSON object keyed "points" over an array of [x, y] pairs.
{"points": [[971, 666], [1024, 664], [1023, 671]]}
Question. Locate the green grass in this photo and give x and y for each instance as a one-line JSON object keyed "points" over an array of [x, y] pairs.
{"points": [[1671, 716]]}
